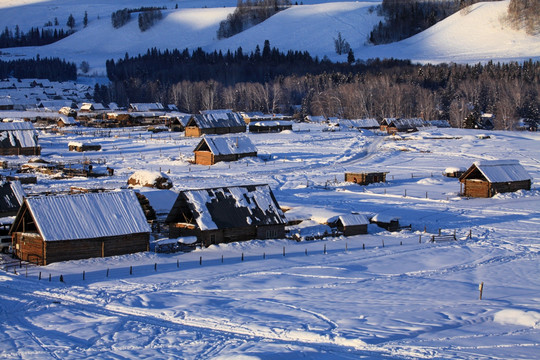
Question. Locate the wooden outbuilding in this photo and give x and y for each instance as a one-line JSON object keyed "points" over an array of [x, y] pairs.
{"points": [[489, 177], [224, 123], [213, 149], [18, 138], [270, 126], [387, 222], [405, 125], [11, 198], [353, 224], [81, 147], [227, 214], [49, 229], [365, 178]]}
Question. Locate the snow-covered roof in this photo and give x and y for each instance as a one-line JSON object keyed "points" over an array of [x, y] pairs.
{"points": [[209, 121], [87, 216], [227, 145], [143, 107], [359, 123], [497, 171], [11, 196], [228, 207], [17, 134], [384, 218], [148, 177], [272, 123], [353, 219]]}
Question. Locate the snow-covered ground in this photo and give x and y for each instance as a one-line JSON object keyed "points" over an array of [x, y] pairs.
{"points": [[478, 36], [381, 295]]}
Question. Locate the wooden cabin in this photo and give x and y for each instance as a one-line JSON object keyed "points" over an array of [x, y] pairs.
{"points": [[270, 126], [81, 147], [224, 123], [389, 223], [368, 124], [353, 224], [489, 177], [405, 125], [18, 138], [11, 198], [213, 149], [227, 214], [454, 172], [365, 178], [49, 229]]}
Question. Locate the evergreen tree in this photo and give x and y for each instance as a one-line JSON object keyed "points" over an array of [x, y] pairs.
{"points": [[71, 21]]}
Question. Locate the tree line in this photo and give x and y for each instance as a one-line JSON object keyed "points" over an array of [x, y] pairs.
{"points": [[375, 88], [405, 18], [249, 13], [34, 37], [54, 69]]}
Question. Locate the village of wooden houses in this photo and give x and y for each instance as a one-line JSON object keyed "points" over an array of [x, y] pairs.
{"points": [[81, 180]]}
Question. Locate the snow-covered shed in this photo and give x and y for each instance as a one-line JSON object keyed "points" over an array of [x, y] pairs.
{"points": [[486, 178], [405, 125], [18, 138], [11, 198], [227, 214], [143, 107], [365, 178], [215, 123], [270, 126], [152, 179], [388, 222], [352, 224], [213, 149], [48, 229]]}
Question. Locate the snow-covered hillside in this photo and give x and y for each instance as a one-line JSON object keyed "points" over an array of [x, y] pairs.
{"points": [[478, 36], [381, 295]]}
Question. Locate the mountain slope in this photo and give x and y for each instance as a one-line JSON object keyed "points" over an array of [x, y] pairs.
{"points": [[477, 36]]}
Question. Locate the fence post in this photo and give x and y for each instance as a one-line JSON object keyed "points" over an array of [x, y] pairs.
{"points": [[242, 256], [39, 277], [177, 263], [383, 243], [346, 247], [324, 251], [284, 251], [470, 233], [439, 231], [200, 260], [363, 246], [61, 278], [155, 266], [222, 258], [49, 277], [481, 289], [306, 251], [401, 243], [264, 255], [420, 238], [84, 275], [107, 272], [131, 270]]}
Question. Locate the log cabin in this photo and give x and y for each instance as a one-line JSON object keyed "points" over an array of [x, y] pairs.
{"points": [[365, 178], [486, 178], [218, 123], [352, 224], [227, 214], [49, 229], [18, 138], [213, 149]]}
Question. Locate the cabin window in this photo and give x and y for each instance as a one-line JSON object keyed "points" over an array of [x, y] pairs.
{"points": [[212, 239], [271, 233]]}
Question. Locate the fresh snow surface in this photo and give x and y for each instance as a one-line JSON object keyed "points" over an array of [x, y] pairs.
{"points": [[478, 36], [398, 298]]}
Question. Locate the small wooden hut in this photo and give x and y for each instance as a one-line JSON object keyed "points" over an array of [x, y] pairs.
{"points": [[227, 214], [489, 177], [81, 147], [270, 126], [353, 224], [213, 149], [387, 222], [152, 179], [365, 178], [48, 229]]}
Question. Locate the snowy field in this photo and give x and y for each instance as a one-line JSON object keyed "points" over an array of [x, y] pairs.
{"points": [[478, 36], [381, 295]]}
